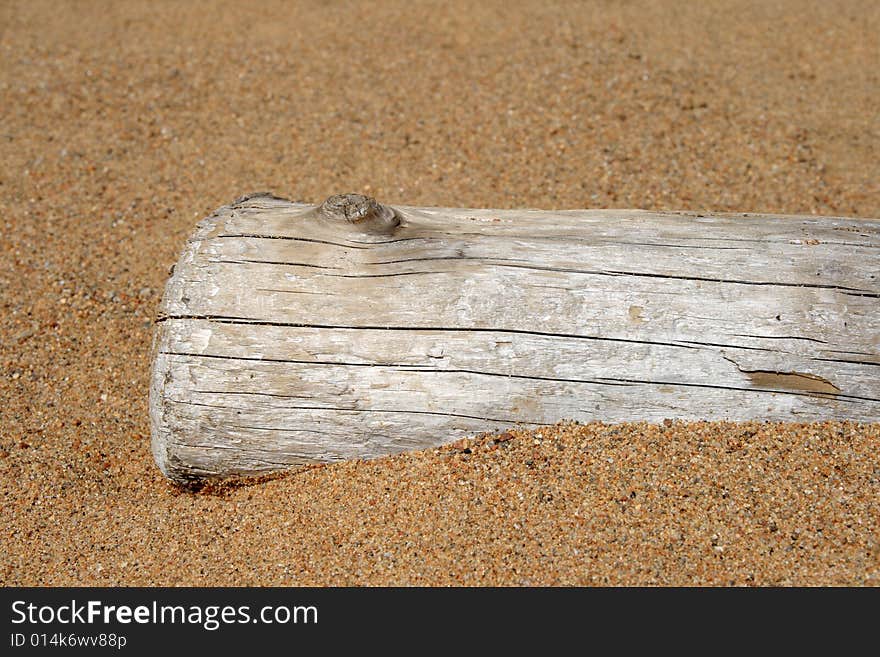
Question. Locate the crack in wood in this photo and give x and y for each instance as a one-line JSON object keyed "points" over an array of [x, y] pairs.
{"points": [[251, 392], [507, 421], [783, 241], [779, 337], [396, 366], [853, 362], [527, 377], [494, 262], [854, 291], [285, 360], [293, 239], [368, 244], [457, 258], [700, 247], [319, 294], [781, 383], [269, 262], [403, 273], [729, 346], [225, 319]]}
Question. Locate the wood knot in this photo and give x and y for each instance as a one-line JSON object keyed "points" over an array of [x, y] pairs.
{"points": [[362, 212]]}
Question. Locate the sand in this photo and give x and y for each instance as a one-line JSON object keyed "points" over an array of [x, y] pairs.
{"points": [[123, 123]]}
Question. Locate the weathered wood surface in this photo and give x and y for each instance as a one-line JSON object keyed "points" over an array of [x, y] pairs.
{"points": [[291, 334]]}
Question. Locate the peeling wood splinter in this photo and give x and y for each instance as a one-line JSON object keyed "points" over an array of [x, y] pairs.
{"points": [[292, 334]]}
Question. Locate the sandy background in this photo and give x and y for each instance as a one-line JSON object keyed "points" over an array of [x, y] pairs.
{"points": [[122, 123]]}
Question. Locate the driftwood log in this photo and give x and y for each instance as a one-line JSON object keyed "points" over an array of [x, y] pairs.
{"points": [[291, 334]]}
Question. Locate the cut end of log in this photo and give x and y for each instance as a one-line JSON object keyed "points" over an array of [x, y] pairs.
{"points": [[362, 212]]}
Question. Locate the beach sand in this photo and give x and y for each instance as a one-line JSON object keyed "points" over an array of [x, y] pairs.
{"points": [[123, 123]]}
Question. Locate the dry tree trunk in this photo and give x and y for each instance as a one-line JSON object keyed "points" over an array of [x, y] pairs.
{"points": [[293, 334]]}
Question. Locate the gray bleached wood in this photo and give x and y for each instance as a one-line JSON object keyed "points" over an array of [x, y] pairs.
{"points": [[292, 334]]}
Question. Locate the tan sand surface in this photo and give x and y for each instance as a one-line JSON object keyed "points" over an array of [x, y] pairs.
{"points": [[122, 123]]}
